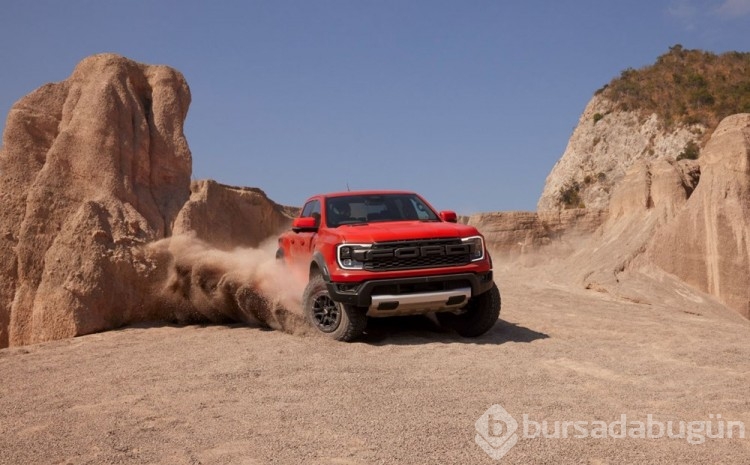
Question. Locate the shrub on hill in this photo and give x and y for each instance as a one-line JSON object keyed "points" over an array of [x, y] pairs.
{"points": [[686, 87]]}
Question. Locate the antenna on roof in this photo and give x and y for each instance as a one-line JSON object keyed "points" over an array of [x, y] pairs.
{"points": [[347, 187]]}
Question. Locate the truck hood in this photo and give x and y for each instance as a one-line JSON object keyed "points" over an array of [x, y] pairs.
{"points": [[402, 230]]}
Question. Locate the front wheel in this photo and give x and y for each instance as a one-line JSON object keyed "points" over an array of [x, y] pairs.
{"points": [[478, 317], [335, 320]]}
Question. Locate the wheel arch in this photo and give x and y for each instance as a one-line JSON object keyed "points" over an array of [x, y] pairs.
{"points": [[319, 266]]}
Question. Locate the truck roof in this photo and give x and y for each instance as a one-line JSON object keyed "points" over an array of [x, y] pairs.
{"points": [[364, 192]]}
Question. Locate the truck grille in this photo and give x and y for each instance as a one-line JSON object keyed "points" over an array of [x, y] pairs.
{"points": [[414, 254]]}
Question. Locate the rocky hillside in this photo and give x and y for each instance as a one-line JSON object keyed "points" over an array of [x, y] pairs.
{"points": [[653, 186], [664, 111], [601, 150], [685, 221], [685, 87]]}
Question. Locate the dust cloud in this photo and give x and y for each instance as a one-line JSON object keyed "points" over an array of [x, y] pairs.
{"points": [[201, 283]]}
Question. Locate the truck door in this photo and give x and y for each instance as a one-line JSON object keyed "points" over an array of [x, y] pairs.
{"points": [[301, 246]]}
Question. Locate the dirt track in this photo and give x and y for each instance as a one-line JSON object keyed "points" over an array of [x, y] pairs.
{"points": [[408, 394]]}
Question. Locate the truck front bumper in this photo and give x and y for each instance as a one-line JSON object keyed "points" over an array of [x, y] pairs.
{"points": [[409, 296]]}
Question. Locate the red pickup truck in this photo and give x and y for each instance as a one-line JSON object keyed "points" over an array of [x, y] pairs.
{"points": [[388, 253]]}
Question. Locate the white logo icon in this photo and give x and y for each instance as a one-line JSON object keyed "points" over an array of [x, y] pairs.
{"points": [[496, 432]]}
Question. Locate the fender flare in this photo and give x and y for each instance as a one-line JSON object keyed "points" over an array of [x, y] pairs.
{"points": [[320, 263]]}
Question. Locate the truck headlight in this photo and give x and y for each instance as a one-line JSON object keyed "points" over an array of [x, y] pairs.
{"points": [[476, 244], [346, 255]]}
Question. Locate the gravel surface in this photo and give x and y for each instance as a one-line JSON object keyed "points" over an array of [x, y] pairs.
{"points": [[408, 393]]}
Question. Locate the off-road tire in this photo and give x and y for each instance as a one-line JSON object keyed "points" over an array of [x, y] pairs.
{"points": [[478, 317], [333, 319]]}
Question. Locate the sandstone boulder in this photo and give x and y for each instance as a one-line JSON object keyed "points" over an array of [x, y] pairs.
{"points": [[91, 168], [227, 217]]}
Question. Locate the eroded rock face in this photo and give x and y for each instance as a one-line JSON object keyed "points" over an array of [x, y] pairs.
{"points": [[688, 218], [521, 232], [227, 217], [648, 197], [660, 185], [708, 243], [91, 167], [604, 145]]}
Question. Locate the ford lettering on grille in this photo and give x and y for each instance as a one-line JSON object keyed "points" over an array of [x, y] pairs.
{"points": [[414, 254]]}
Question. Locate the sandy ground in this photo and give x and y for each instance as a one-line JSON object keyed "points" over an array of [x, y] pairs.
{"points": [[407, 394]]}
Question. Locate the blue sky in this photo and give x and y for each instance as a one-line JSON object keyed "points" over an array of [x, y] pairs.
{"points": [[468, 102]]}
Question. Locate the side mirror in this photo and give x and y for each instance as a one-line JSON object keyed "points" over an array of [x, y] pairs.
{"points": [[306, 224], [448, 216]]}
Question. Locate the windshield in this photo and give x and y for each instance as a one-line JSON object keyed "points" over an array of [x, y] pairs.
{"points": [[353, 209]]}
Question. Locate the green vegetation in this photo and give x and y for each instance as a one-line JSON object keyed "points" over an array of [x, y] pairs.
{"points": [[690, 152], [597, 117], [570, 196], [686, 87]]}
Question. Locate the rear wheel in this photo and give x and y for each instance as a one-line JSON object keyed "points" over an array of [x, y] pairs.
{"points": [[335, 320], [478, 317]]}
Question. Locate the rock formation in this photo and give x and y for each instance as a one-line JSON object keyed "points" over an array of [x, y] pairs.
{"points": [[96, 174], [518, 232], [604, 145], [648, 197], [227, 217], [708, 243], [688, 218], [91, 167], [660, 185]]}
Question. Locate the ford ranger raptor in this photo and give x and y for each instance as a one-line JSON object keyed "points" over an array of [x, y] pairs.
{"points": [[388, 253]]}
